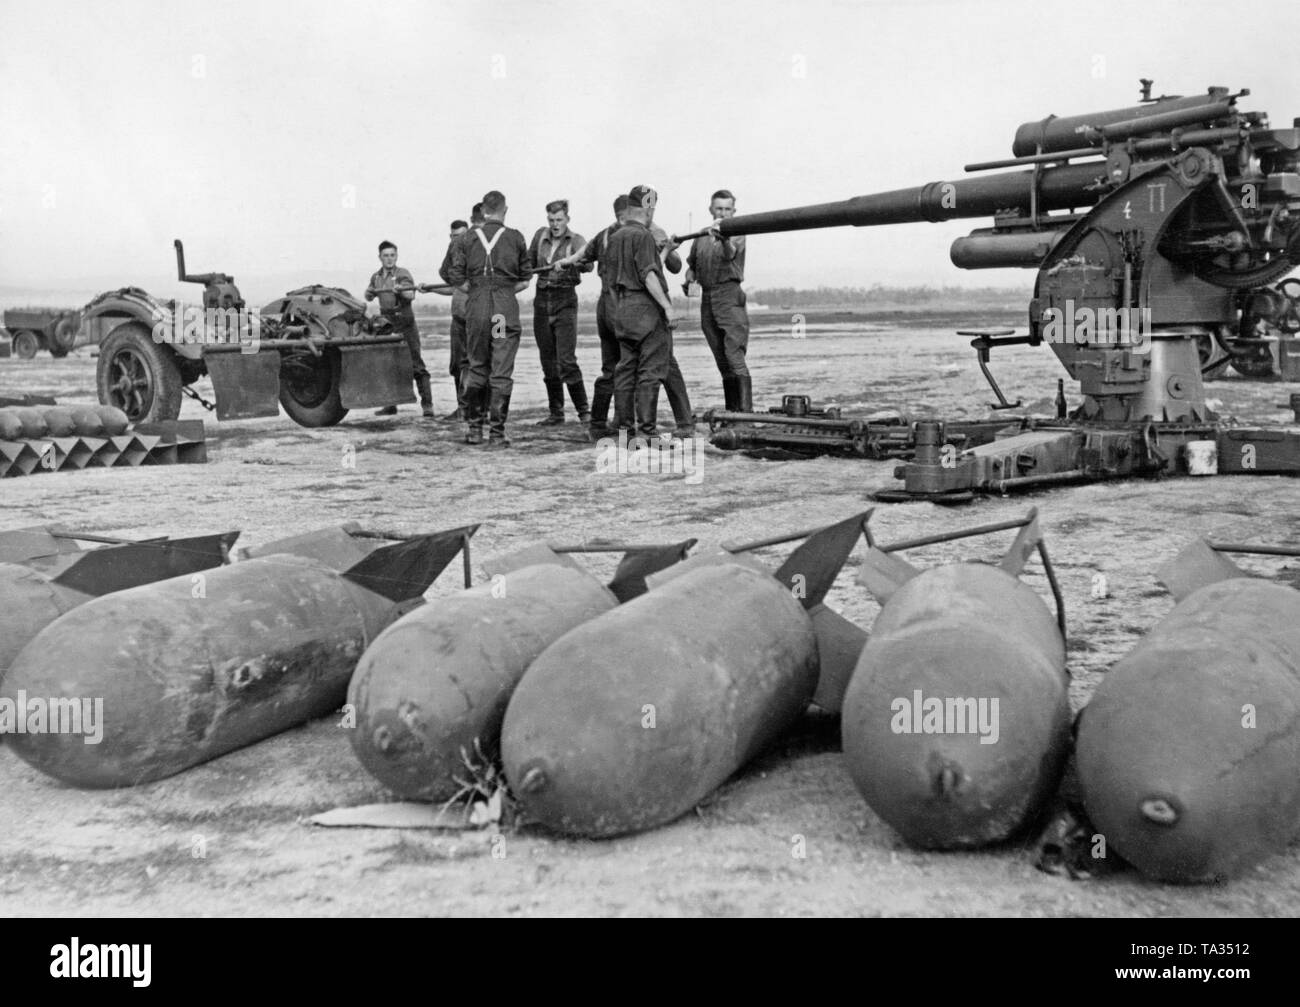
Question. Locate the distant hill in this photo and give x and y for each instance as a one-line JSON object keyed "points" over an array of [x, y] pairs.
{"points": [[880, 296], [262, 290]]}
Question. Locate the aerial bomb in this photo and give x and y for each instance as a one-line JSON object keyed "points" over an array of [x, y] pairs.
{"points": [[808, 572], [631, 719], [188, 672], [1188, 752], [113, 419], [59, 422], [88, 422], [33, 421], [956, 722], [36, 591], [431, 691]]}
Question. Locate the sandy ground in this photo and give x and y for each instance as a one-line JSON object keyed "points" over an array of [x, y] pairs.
{"points": [[136, 851]]}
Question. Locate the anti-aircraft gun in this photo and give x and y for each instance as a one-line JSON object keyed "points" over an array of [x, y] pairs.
{"points": [[1156, 231]]}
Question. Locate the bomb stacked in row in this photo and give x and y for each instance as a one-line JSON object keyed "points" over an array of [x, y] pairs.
{"points": [[611, 719], [48, 438]]}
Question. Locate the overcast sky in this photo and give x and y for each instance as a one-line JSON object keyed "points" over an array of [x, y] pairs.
{"points": [[284, 139]]}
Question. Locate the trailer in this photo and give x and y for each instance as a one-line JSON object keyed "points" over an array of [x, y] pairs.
{"points": [[312, 351]]}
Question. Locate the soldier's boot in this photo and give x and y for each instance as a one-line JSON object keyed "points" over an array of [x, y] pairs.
{"points": [[647, 408], [555, 401], [474, 415], [578, 393], [426, 396], [600, 412], [499, 412], [624, 412], [459, 412], [744, 393], [729, 393], [386, 411]]}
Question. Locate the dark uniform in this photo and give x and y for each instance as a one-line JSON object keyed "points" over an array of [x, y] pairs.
{"points": [[399, 311], [606, 313], [719, 267], [675, 384], [494, 259], [459, 359], [555, 320], [606, 309], [645, 343]]}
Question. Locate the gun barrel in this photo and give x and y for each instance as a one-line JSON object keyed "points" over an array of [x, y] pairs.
{"points": [[1064, 132], [1059, 188]]}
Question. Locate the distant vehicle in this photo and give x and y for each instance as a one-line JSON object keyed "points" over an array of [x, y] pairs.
{"points": [[312, 351], [36, 329]]}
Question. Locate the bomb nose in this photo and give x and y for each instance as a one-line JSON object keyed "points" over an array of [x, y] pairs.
{"points": [[534, 780], [1159, 810]]}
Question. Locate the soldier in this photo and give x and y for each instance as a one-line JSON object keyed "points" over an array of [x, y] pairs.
{"points": [[606, 309], [491, 262], [644, 313], [395, 289], [718, 264], [555, 312], [674, 384], [458, 362]]}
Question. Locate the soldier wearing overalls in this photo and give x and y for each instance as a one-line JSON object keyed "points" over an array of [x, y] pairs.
{"points": [[491, 262], [457, 361]]}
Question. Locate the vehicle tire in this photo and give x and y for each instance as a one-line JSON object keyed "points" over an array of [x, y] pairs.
{"points": [[138, 376], [309, 388], [63, 338], [26, 344]]}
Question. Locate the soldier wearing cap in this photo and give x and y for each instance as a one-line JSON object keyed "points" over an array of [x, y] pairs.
{"points": [[606, 311], [458, 361], [718, 264], [395, 288], [679, 401], [555, 311], [491, 261], [594, 252], [643, 318]]}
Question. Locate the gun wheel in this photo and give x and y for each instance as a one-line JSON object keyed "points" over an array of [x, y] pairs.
{"points": [[309, 388], [138, 376]]}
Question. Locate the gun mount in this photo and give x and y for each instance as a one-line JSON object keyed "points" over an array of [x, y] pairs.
{"points": [[1156, 231], [1150, 227]]}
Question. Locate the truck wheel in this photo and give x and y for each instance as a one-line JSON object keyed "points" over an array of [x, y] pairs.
{"points": [[138, 376], [309, 388], [63, 338], [26, 343]]}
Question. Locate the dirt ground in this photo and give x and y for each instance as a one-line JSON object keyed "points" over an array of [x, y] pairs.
{"points": [[136, 851]]}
